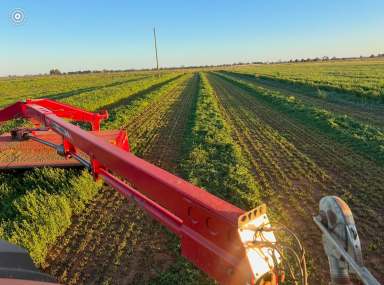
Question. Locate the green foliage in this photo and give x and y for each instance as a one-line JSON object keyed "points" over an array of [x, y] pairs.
{"points": [[181, 272], [363, 138], [41, 218], [212, 161], [12, 124], [39, 206], [122, 115], [114, 96], [364, 78], [215, 162], [57, 87], [11, 189], [82, 189], [52, 180]]}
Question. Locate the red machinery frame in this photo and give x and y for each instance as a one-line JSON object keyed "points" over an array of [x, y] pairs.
{"points": [[206, 225]]}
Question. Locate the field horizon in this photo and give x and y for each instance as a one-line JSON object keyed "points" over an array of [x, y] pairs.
{"points": [[283, 134]]}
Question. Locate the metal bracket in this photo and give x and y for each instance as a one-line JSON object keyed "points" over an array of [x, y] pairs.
{"points": [[261, 257]]}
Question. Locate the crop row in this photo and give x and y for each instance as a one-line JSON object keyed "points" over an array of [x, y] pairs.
{"points": [[34, 213], [362, 78], [134, 115], [215, 162], [118, 232], [276, 163], [37, 208], [114, 96], [56, 87], [349, 169], [363, 138], [342, 104], [287, 177], [314, 163], [106, 97]]}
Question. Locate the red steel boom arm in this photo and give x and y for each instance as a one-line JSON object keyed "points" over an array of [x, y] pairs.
{"points": [[207, 226]]}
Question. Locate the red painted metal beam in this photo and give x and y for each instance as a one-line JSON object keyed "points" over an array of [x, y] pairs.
{"points": [[207, 225], [70, 112], [60, 109]]}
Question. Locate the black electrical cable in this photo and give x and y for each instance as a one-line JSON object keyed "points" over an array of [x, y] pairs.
{"points": [[303, 263], [279, 250], [282, 248]]}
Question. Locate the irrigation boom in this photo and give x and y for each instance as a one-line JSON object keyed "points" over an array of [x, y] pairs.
{"points": [[231, 245]]}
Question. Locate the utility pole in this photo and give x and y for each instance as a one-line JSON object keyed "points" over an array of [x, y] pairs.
{"points": [[157, 59]]}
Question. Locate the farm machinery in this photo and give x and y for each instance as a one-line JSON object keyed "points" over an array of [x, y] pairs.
{"points": [[230, 245]]}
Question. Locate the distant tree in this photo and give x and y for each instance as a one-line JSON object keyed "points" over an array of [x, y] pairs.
{"points": [[54, 71], [372, 56]]}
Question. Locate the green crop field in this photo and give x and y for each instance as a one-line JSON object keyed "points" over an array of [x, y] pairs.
{"points": [[361, 77], [281, 134]]}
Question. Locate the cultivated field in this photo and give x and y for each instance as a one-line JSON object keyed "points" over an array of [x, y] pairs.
{"points": [[285, 135], [364, 78]]}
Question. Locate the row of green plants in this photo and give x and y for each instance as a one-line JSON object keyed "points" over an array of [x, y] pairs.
{"points": [[359, 108], [37, 207], [7, 126], [348, 170], [107, 97], [112, 97], [364, 78], [17, 88], [213, 161], [122, 116], [363, 93], [312, 145], [277, 163], [327, 93], [110, 229], [366, 140]]}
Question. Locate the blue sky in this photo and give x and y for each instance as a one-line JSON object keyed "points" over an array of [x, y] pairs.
{"points": [[79, 35]]}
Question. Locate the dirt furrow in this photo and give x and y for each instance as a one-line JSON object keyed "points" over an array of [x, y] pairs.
{"points": [[370, 113], [349, 170], [304, 156], [112, 242]]}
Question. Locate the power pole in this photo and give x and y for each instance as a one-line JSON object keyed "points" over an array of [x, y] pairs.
{"points": [[157, 59]]}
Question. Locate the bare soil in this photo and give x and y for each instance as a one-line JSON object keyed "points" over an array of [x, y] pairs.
{"points": [[112, 241], [296, 165]]}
